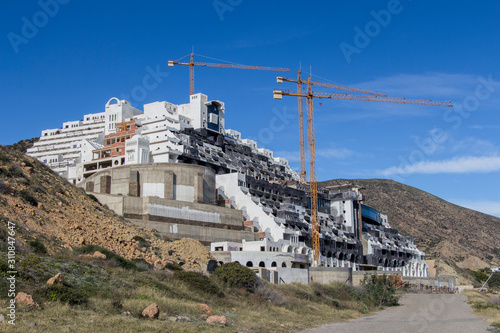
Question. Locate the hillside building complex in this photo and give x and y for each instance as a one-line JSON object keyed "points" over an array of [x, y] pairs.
{"points": [[177, 169]]}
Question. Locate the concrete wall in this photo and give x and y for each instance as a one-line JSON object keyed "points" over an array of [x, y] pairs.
{"points": [[114, 202], [164, 210], [293, 275], [326, 275], [171, 181], [435, 282], [206, 223], [203, 234]]}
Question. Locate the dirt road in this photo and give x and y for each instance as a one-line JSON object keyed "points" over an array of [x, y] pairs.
{"points": [[418, 313]]}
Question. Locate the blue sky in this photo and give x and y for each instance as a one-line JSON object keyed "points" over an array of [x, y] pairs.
{"points": [[62, 59]]}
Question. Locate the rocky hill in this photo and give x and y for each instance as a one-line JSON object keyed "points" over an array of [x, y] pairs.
{"points": [[45, 207], [81, 268], [443, 230]]}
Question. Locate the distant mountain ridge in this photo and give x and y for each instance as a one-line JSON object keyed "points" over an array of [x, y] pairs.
{"points": [[440, 228]]}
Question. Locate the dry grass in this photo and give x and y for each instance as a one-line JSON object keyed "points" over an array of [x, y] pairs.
{"points": [[117, 290], [485, 305], [249, 315]]}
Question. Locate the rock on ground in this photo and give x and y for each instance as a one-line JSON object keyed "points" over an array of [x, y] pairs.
{"points": [[56, 279], [99, 255], [26, 299], [217, 319], [152, 311], [206, 308]]}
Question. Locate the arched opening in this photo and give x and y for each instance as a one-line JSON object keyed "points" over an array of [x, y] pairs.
{"points": [[262, 264], [113, 99], [237, 262], [273, 264], [249, 264], [283, 265]]}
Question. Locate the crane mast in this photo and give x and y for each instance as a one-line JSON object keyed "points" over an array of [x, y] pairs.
{"points": [[371, 96], [312, 176], [303, 176]]}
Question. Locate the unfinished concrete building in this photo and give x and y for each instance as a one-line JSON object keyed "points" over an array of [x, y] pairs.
{"points": [[179, 171]]}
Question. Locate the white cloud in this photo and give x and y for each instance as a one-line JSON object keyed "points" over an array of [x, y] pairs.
{"points": [[487, 207], [471, 144], [466, 164]]}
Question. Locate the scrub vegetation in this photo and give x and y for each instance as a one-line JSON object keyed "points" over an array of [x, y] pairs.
{"points": [[105, 295]]}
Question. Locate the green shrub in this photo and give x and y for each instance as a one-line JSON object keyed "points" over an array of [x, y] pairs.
{"points": [[271, 294], [4, 159], [198, 281], [4, 237], [377, 291], [110, 256], [142, 241], [494, 282], [479, 275], [4, 266], [28, 163], [236, 276], [58, 188], [15, 172], [61, 293], [37, 246], [141, 264], [4, 188], [23, 145], [28, 197], [484, 306], [138, 239], [173, 266]]}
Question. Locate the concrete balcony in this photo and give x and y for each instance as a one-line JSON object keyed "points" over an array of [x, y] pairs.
{"points": [[301, 258]]}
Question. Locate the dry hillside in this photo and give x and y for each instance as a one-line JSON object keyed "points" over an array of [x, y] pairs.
{"points": [[45, 206], [443, 230]]}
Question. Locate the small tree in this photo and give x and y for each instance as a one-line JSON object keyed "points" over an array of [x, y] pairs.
{"points": [[236, 276], [379, 290]]}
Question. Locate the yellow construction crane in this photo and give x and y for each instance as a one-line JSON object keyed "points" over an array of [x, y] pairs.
{"points": [[192, 63], [299, 82], [309, 95]]}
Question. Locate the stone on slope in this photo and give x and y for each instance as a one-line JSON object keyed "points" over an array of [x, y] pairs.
{"points": [[152, 311]]}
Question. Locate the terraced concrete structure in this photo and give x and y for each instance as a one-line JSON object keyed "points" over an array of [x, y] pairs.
{"points": [[273, 205]]}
